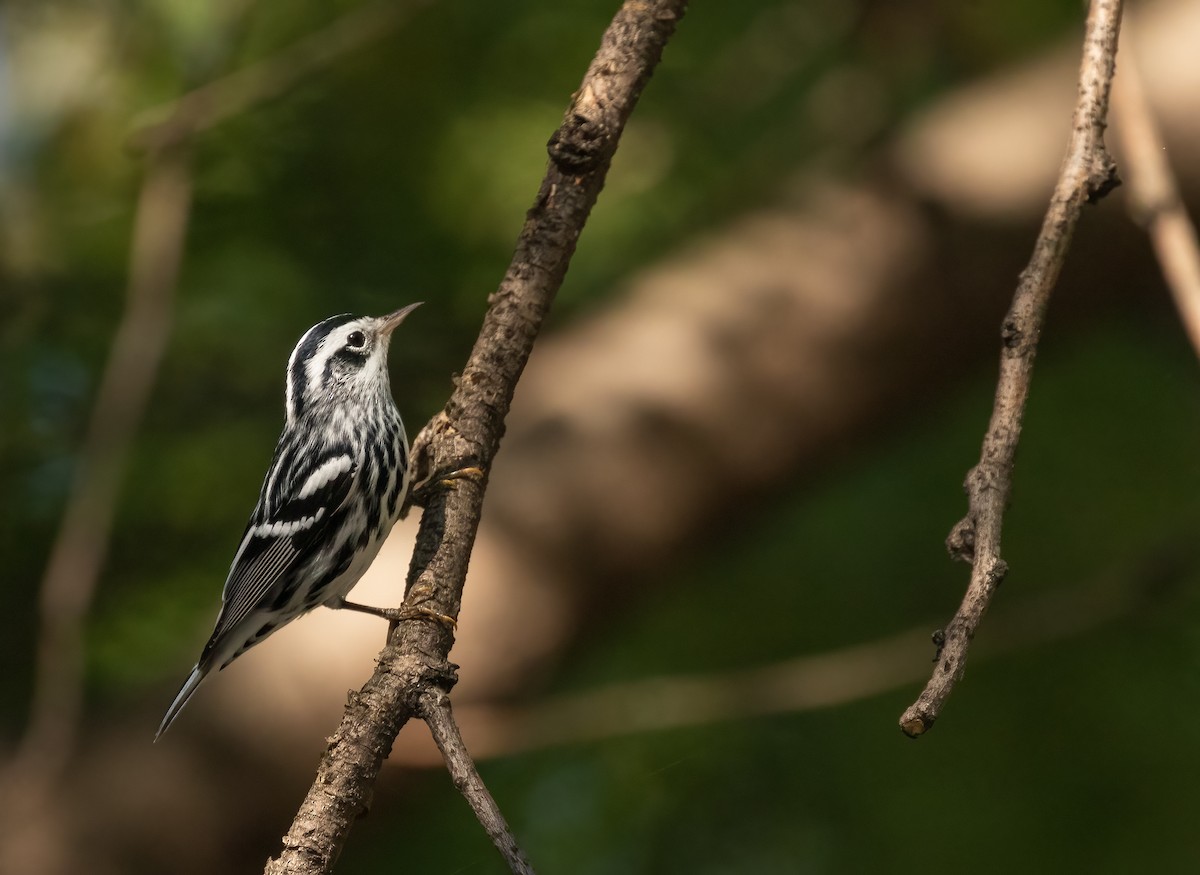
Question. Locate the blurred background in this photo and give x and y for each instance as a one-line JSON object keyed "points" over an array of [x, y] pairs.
{"points": [[712, 553]]}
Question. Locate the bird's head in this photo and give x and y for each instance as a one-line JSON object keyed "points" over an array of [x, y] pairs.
{"points": [[341, 359]]}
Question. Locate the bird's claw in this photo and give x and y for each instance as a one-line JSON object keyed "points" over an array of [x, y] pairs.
{"points": [[420, 612], [419, 493], [472, 472]]}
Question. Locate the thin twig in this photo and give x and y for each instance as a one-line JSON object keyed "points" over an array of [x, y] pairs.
{"points": [[436, 712], [1087, 174], [81, 545], [1154, 197], [216, 101], [467, 434]]}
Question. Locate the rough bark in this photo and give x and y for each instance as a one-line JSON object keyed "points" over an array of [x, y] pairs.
{"points": [[467, 433]]}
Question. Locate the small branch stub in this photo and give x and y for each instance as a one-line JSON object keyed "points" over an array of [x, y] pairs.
{"points": [[436, 712]]}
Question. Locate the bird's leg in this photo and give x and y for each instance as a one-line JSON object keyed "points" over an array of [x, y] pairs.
{"points": [[395, 615], [341, 604]]}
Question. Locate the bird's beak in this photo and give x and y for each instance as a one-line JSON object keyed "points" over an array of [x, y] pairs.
{"points": [[392, 320]]}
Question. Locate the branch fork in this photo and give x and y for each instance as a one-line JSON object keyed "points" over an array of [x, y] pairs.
{"points": [[413, 675]]}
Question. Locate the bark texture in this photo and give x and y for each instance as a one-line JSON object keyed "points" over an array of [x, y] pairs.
{"points": [[1088, 173], [467, 433]]}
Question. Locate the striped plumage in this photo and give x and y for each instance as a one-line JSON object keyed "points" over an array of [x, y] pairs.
{"points": [[334, 489]]}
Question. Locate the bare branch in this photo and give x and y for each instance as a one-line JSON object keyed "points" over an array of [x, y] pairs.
{"points": [[436, 712], [468, 431], [1154, 194], [1087, 174]]}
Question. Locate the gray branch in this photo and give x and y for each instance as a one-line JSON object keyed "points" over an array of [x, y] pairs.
{"points": [[437, 714], [1087, 174], [467, 434]]}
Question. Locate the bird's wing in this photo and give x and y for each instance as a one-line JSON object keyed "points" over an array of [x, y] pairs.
{"points": [[293, 513]]}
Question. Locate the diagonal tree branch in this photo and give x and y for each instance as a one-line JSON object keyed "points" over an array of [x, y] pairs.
{"points": [[468, 432], [436, 712], [1087, 174], [1154, 197]]}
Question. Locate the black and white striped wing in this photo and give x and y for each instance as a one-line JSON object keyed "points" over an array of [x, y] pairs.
{"points": [[287, 527]]}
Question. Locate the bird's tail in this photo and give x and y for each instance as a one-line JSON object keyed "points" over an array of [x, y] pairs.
{"points": [[189, 686]]}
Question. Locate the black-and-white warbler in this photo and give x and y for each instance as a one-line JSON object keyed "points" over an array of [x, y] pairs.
{"points": [[335, 487]]}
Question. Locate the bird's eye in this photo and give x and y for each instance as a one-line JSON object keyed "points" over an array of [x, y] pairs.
{"points": [[356, 340]]}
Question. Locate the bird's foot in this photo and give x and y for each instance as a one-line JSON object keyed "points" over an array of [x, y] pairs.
{"points": [[395, 615], [419, 493], [421, 592], [423, 613], [473, 472]]}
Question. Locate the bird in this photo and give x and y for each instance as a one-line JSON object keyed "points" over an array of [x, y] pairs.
{"points": [[335, 486]]}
